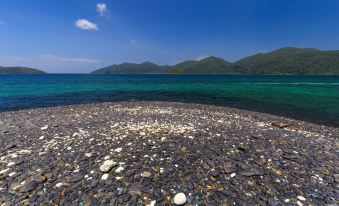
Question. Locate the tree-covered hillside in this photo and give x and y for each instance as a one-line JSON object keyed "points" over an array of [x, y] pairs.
{"points": [[20, 70], [291, 60]]}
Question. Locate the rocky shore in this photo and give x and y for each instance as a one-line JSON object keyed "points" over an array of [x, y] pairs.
{"points": [[155, 153]]}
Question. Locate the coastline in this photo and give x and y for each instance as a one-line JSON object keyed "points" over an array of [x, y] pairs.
{"points": [[215, 155]]}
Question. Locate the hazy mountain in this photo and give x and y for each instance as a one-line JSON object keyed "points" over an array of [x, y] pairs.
{"points": [[291, 60], [20, 70]]}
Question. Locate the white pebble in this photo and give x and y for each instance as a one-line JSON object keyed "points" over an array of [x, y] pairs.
{"points": [[88, 155], [180, 199], [299, 203], [118, 149], [11, 174], [4, 171], [119, 169], [233, 175], [107, 165], [44, 127], [104, 177], [301, 198]]}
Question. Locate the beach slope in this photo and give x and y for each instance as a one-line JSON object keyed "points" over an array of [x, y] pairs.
{"points": [[144, 153]]}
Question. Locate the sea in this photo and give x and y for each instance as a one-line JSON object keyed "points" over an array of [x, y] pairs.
{"points": [[310, 98]]}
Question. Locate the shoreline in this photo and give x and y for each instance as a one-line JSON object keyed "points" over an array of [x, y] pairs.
{"points": [[54, 156]]}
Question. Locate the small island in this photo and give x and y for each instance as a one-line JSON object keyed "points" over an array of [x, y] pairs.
{"points": [[20, 70]]}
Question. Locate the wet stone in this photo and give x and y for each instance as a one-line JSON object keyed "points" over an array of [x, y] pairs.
{"points": [[214, 173], [74, 178], [39, 178], [253, 172], [29, 186]]}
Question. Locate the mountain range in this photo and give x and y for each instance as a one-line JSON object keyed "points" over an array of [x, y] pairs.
{"points": [[288, 60]]}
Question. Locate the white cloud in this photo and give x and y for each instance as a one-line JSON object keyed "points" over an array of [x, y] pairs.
{"points": [[85, 24], [2, 23], [102, 9]]}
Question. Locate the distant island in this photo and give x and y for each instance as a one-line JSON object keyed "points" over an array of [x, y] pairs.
{"points": [[288, 60], [20, 70]]}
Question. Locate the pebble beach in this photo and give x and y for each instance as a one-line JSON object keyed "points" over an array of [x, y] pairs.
{"points": [[163, 153]]}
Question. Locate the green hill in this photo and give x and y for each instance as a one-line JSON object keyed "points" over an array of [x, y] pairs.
{"points": [[131, 68], [20, 70], [291, 60], [209, 65], [287, 60]]}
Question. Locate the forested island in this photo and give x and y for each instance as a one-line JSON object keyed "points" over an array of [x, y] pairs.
{"points": [[20, 70], [288, 60]]}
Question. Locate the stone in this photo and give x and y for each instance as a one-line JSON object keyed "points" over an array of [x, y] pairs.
{"points": [[94, 183], [44, 128], [88, 155], [180, 199], [301, 198], [118, 150], [4, 171], [10, 164], [74, 178], [104, 176], [228, 168], [29, 186], [119, 169], [39, 178], [336, 178], [11, 174], [107, 166], [253, 172], [146, 174], [10, 146], [215, 173], [272, 201]]}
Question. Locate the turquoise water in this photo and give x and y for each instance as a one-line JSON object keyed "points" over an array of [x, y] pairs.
{"points": [[312, 98]]}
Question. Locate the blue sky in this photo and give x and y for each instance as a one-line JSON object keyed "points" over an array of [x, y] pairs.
{"points": [[81, 36]]}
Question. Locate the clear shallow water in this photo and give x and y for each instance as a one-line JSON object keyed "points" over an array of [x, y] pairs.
{"points": [[312, 98]]}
